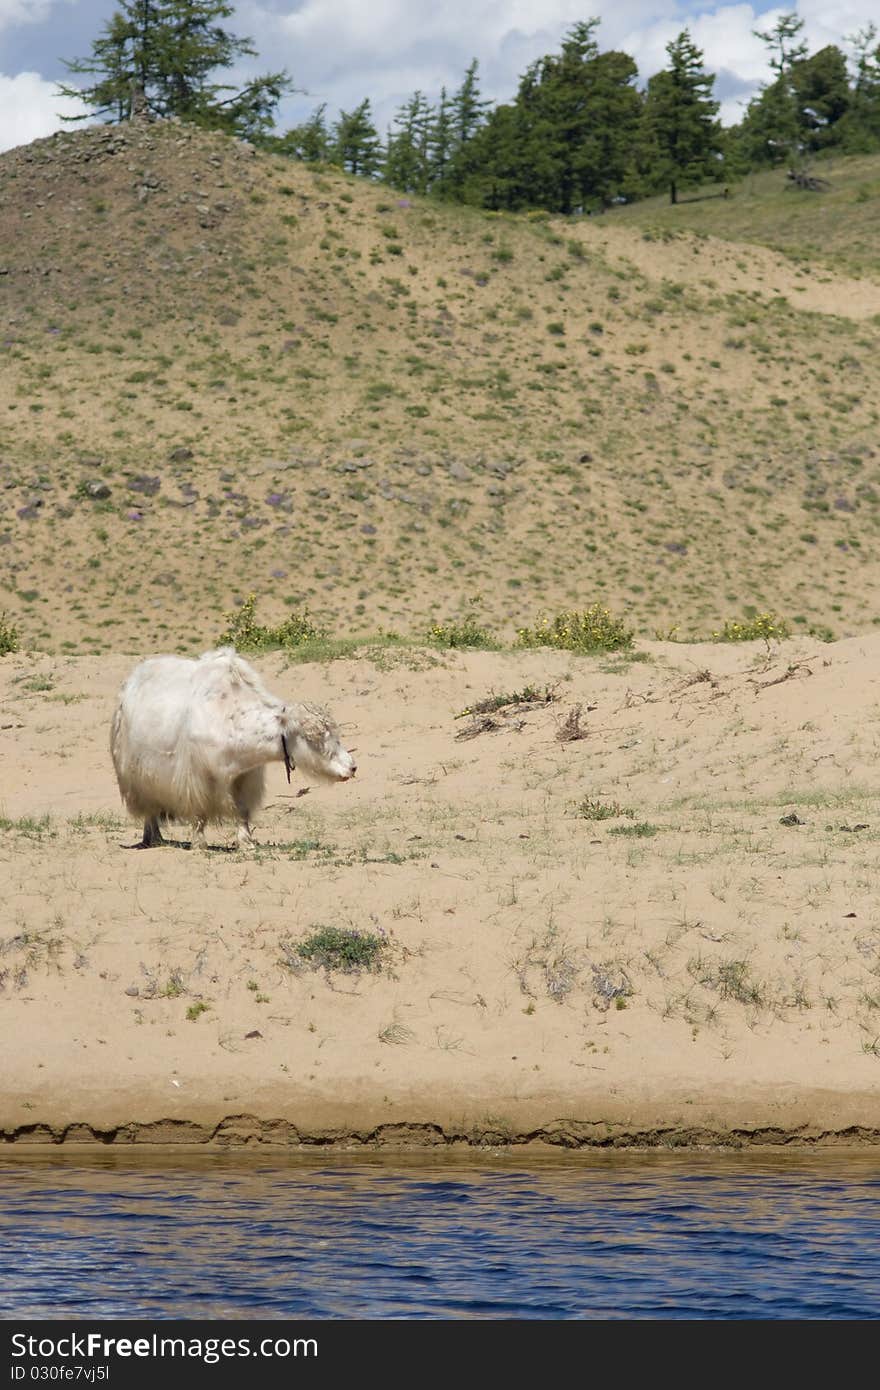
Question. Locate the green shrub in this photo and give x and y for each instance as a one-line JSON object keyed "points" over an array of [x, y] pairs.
{"points": [[763, 625], [463, 632], [593, 809], [595, 629], [341, 948], [9, 636], [246, 634]]}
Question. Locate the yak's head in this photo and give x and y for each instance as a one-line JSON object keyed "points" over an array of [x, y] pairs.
{"points": [[310, 741]]}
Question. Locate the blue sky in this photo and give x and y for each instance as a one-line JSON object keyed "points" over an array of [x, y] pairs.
{"points": [[340, 51]]}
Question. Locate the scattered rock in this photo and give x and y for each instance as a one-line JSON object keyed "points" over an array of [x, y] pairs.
{"points": [[148, 486], [791, 819], [181, 454], [96, 489]]}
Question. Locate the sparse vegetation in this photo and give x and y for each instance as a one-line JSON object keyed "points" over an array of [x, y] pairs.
{"points": [[529, 695], [765, 626], [592, 808], [247, 635], [594, 629], [461, 633], [339, 948], [9, 636]]}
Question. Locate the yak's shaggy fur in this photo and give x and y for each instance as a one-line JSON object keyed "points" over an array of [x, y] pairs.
{"points": [[190, 741]]}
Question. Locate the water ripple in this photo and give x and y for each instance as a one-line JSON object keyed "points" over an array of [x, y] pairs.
{"points": [[626, 1237]]}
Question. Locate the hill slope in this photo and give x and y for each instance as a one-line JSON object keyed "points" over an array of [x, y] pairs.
{"points": [[295, 383]]}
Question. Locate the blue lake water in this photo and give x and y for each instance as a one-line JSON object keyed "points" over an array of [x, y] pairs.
{"points": [[614, 1235]]}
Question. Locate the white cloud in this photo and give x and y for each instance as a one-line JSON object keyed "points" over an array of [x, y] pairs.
{"points": [[17, 12], [29, 108], [343, 50]]}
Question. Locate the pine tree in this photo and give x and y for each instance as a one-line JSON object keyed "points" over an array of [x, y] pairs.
{"points": [[862, 124], [467, 115], [355, 142], [408, 157], [570, 137], [490, 169], [163, 54], [680, 128], [821, 87], [440, 140], [310, 141], [468, 107], [787, 50]]}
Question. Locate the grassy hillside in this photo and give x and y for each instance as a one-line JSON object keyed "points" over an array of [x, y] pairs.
{"points": [[224, 373], [833, 230]]}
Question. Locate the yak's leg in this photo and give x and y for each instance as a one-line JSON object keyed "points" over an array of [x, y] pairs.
{"points": [[152, 833], [244, 798], [244, 838], [198, 835]]}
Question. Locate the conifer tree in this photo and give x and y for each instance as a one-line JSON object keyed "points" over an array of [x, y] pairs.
{"points": [[567, 139], [440, 140], [355, 142], [787, 49], [863, 119], [822, 93], [681, 131], [468, 107], [408, 157], [310, 141], [467, 116], [163, 54]]}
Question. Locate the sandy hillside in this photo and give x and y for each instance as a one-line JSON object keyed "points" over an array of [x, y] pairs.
{"points": [[663, 931], [223, 372]]}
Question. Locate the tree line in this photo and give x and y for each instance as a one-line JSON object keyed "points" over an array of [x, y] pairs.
{"points": [[578, 134]]}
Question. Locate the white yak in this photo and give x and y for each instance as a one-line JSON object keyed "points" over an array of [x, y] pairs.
{"points": [[190, 740]]}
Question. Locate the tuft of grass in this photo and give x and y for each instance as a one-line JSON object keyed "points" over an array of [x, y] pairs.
{"points": [[591, 808], [340, 948], [247, 635], [31, 827], [529, 695], [594, 629], [196, 1010], [640, 830], [9, 636], [731, 979]]}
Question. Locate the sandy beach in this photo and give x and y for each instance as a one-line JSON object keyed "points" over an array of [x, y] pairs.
{"points": [[662, 932]]}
